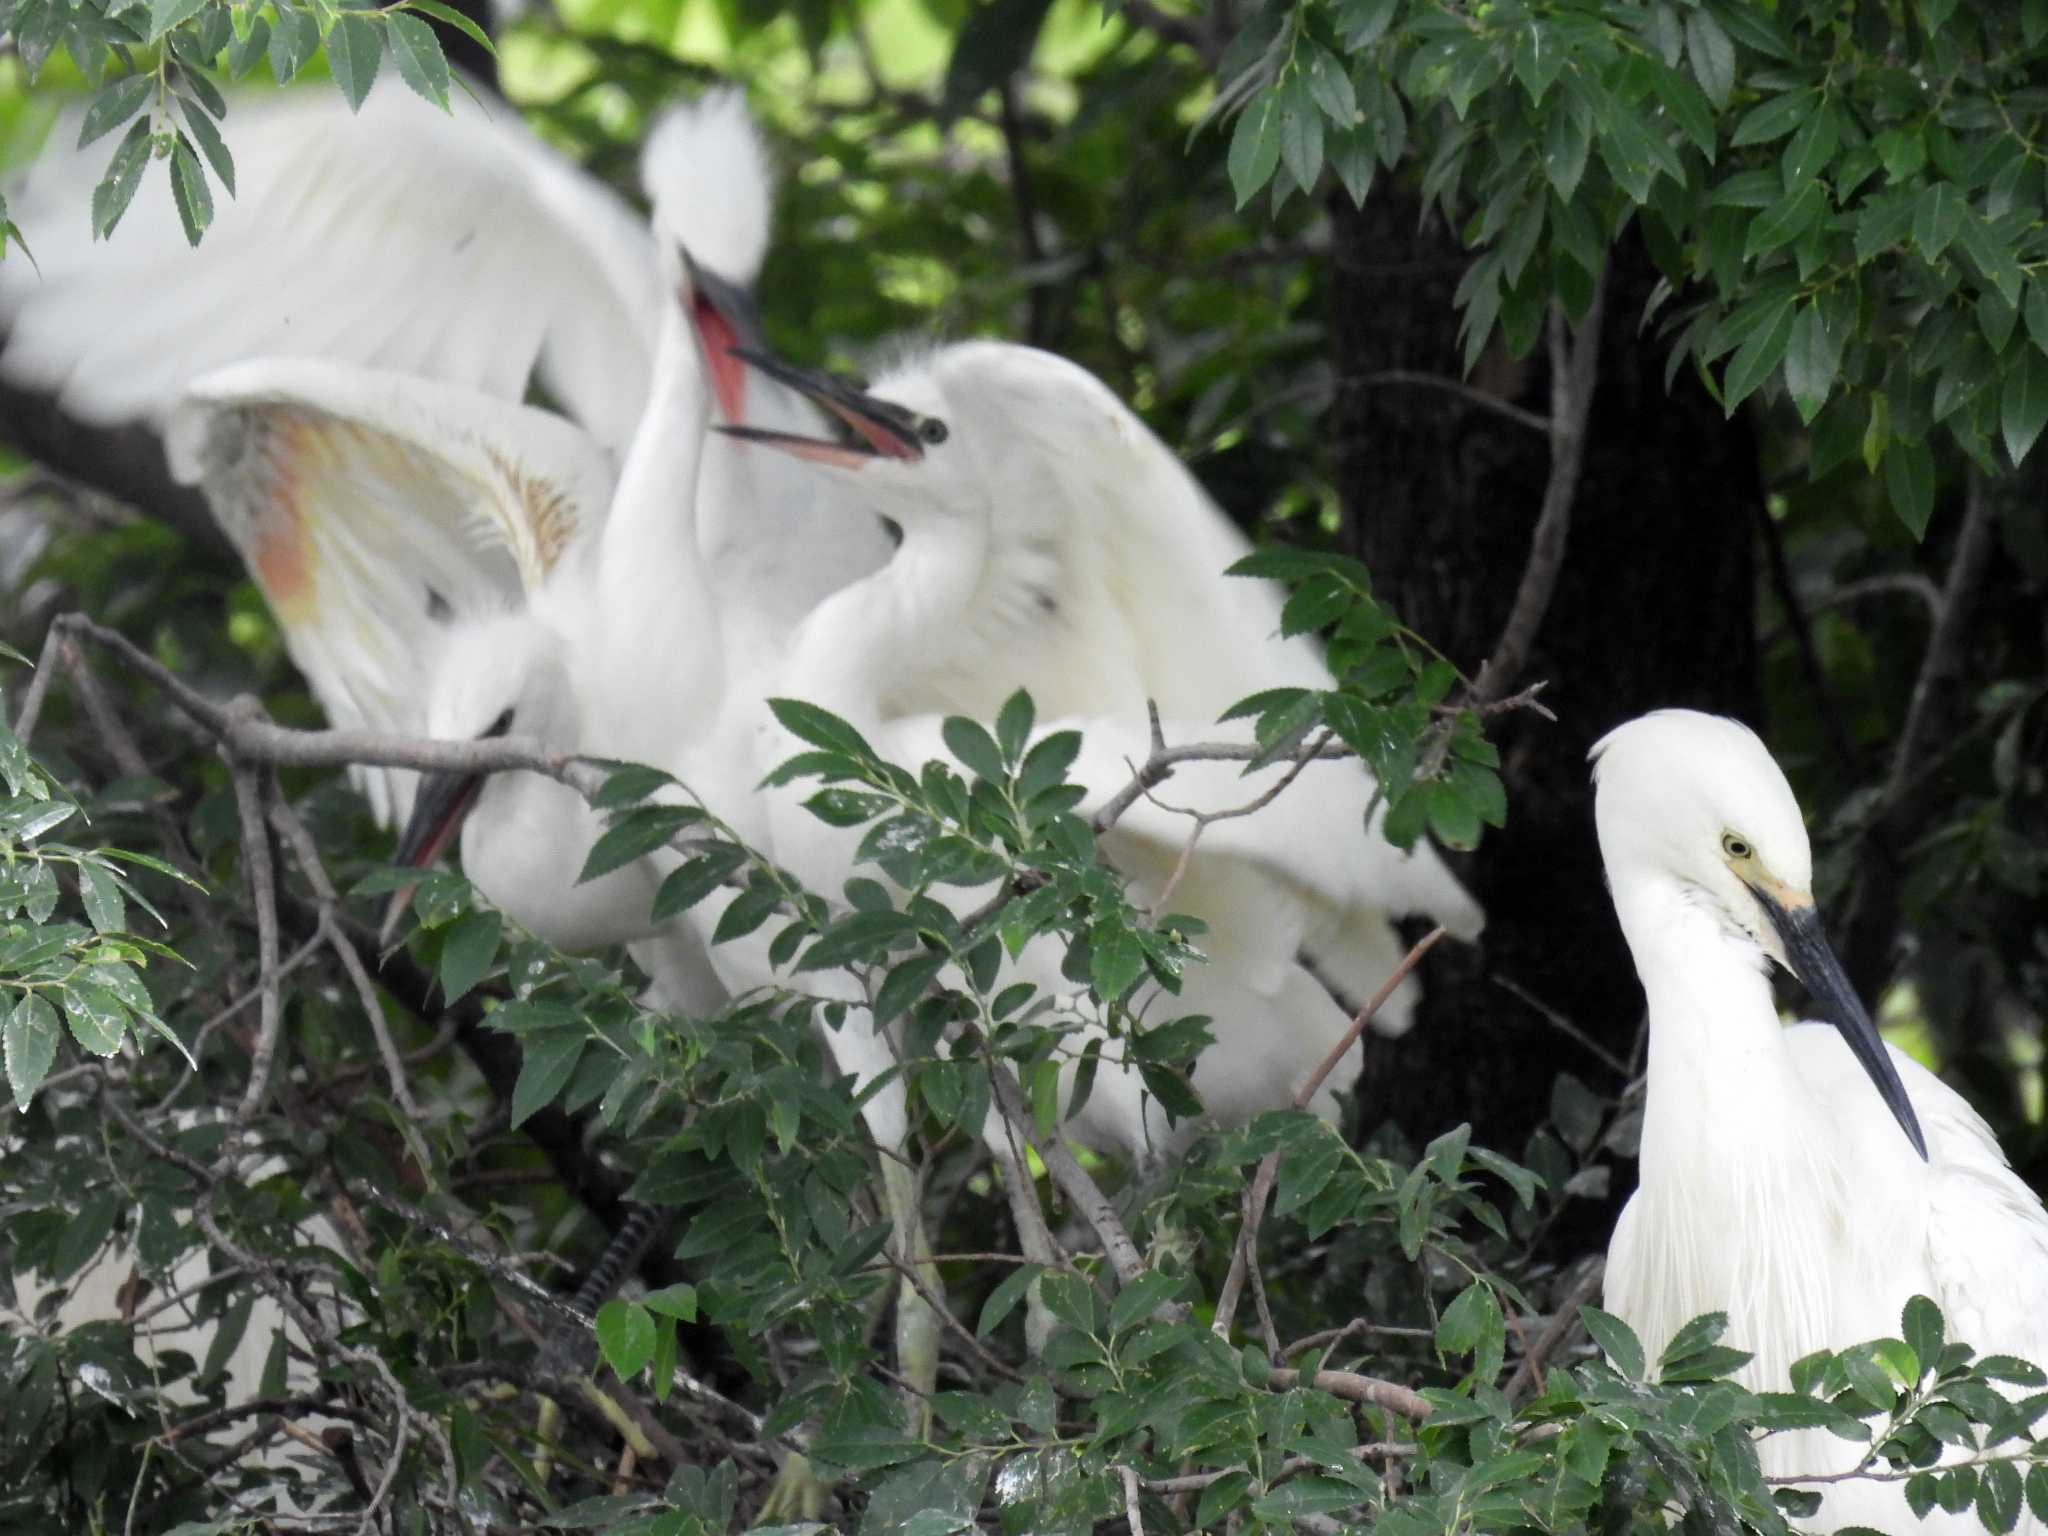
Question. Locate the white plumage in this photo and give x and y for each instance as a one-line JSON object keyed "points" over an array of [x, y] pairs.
{"points": [[1051, 542], [1778, 1181]]}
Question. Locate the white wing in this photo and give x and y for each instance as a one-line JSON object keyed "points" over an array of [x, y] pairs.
{"points": [[371, 507], [454, 245]]}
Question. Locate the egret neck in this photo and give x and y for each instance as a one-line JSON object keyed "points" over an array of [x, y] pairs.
{"points": [[1734, 1143]]}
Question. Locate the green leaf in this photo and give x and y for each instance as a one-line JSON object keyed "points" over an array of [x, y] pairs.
{"points": [[1785, 221], [638, 832], [1755, 359], [995, 41], [1775, 118], [354, 50], [1998, 1497], [1567, 136], [468, 946], [455, 19], [1301, 133], [1118, 960], [1811, 362], [166, 14], [417, 53], [548, 1063], [116, 188], [1617, 1341], [1255, 146], [210, 143], [189, 191], [820, 727], [1013, 725], [294, 39], [1141, 1297], [690, 883], [30, 1042], [1329, 85], [2023, 404], [1812, 147], [114, 106], [98, 1020], [905, 984], [102, 898], [1909, 477], [1470, 1317], [678, 1301], [973, 746], [1937, 216], [625, 1332], [1712, 56], [1004, 1298]]}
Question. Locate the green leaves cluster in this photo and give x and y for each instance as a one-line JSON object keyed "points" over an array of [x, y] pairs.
{"points": [[57, 974], [1434, 766], [156, 66], [1848, 212]]}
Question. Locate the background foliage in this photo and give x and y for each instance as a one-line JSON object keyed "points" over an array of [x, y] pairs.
{"points": [[1838, 209]]}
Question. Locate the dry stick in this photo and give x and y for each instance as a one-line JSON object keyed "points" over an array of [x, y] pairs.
{"points": [[1529, 1374], [1458, 387], [1132, 1518], [1574, 369], [1405, 1401], [1966, 566], [1203, 819], [287, 822], [1073, 1180], [1262, 1181], [263, 896], [38, 687]]}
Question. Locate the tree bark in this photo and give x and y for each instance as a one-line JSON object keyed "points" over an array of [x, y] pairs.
{"points": [[1654, 607]]}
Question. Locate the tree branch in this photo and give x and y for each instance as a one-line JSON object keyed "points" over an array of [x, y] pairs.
{"points": [[1574, 371]]}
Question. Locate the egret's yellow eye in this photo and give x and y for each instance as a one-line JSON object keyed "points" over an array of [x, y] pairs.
{"points": [[1734, 846]]}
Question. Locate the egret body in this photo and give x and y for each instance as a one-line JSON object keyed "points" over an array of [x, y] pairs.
{"points": [[1783, 1175]]}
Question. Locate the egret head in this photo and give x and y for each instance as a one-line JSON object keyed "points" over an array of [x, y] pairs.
{"points": [[895, 436], [495, 676], [1696, 801]]}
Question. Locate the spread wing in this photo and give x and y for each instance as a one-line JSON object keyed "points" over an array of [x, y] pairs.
{"points": [[371, 508], [454, 245]]}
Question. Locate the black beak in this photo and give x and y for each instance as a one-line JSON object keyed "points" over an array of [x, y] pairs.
{"points": [[438, 808], [728, 325], [880, 429], [1814, 963]]}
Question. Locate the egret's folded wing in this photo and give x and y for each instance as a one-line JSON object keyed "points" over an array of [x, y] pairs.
{"points": [[454, 245], [1095, 512], [372, 508]]}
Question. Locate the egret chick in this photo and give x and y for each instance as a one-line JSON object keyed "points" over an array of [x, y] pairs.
{"points": [[1806, 1180]]}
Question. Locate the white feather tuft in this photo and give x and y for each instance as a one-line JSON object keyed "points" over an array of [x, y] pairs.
{"points": [[706, 169]]}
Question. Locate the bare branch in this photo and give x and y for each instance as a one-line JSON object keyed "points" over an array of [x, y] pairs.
{"points": [[1262, 1180], [1574, 370], [1360, 1389], [1458, 387], [263, 897]]}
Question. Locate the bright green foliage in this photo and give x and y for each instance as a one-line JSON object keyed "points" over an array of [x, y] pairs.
{"points": [[157, 67], [1847, 205]]}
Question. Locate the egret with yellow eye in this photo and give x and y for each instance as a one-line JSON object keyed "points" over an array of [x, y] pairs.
{"points": [[1807, 1180]]}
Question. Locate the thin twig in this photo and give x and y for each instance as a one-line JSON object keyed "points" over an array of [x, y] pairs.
{"points": [[1405, 1401], [1132, 1518], [1574, 371], [1458, 387], [1254, 1211], [1529, 1374], [263, 897], [38, 687]]}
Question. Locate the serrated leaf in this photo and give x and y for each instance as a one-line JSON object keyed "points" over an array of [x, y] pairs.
{"points": [[189, 191], [1255, 146], [636, 833], [1467, 1320], [691, 882], [548, 1062], [166, 14], [1909, 477], [1811, 361], [1937, 217], [1712, 56], [1004, 1298], [1617, 1341], [101, 896], [819, 727], [30, 1042], [625, 1333], [468, 947], [1999, 1499], [114, 106], [116, 189], [417, 53], [1142, 1296], [455, 19], [1759, 355], [210, 143], [97, 1018], [354, 50], [294, 39]]}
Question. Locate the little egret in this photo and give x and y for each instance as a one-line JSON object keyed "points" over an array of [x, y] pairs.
{"points": [[1806, 1180], [1051, 542]]}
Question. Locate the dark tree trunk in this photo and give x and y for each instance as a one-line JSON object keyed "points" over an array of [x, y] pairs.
{"points": [[1654, 607]]}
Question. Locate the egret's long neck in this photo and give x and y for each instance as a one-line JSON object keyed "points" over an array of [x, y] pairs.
{"points": [[651, 646], [1736, 1178]]}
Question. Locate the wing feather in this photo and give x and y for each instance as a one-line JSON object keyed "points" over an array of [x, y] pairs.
{"points": [[370, 509]]}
